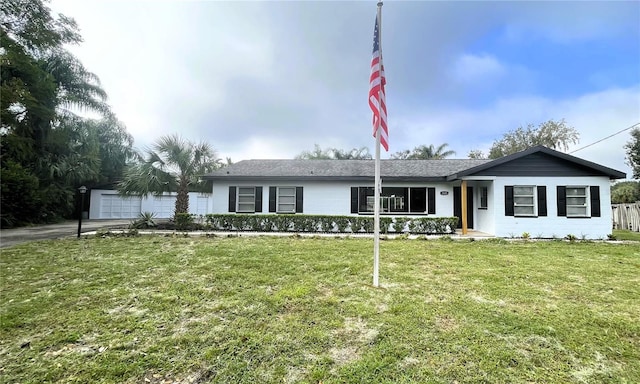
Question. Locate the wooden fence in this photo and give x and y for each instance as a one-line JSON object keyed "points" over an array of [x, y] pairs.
{"points": [[626, 216]]}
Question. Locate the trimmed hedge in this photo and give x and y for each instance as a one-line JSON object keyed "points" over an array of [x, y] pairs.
{"points": [[325, 223]]}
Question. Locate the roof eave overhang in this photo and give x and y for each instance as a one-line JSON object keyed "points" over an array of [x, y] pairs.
{"points": [[325, 178]]}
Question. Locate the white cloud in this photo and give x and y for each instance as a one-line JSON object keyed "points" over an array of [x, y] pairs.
{"points": [[268, 80], [263, 147], [469, 68], [595, 116]]}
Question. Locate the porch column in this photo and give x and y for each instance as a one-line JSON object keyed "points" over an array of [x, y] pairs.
{"points": [[463, 196]]}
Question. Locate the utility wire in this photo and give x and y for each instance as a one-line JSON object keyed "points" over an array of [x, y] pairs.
{"points": [[610, 136]]}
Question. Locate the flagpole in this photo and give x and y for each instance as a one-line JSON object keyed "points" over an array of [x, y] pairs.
{"points": [[377, 184]]}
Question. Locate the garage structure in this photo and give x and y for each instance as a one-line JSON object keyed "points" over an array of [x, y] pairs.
{"points": [[107, 204]]}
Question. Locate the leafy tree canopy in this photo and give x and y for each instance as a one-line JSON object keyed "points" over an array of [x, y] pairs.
{"points": [[476, 154], [423, 152], [625, 192], [42, 81], [552, 134], [318, 153], [633, 152]]}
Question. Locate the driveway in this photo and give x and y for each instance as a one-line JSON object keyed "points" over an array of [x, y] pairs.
{"points": [[11, 237]]}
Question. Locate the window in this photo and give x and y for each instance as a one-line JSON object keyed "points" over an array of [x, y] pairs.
{"points": [[286, 200], [246, 199], [524, 201], [577, 202], [484, 198], [393, 200]]}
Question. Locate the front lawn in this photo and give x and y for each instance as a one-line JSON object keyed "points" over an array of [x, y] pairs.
{"points": [[274, 310], [625, 234]]}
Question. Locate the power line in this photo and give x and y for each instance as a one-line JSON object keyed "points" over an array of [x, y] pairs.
{"points": [[610, 136]]}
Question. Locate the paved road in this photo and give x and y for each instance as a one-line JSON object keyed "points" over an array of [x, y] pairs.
{"points": [[10, 237]]}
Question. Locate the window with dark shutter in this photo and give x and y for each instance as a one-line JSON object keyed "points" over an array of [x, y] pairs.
{"points": [[246, 200], [286, 200]]}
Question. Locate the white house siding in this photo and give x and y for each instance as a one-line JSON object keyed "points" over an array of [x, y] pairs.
{"points": [[327, 198], [483, 219], [107, 204], [552, 225], [200, 202]]}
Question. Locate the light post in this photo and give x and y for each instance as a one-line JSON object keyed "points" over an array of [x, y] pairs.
{"points": [[82, 190]]}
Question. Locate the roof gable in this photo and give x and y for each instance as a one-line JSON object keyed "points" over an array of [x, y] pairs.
{"points": [[540, 161]]}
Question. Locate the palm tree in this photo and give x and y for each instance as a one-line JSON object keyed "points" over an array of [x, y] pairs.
{"points": [[423, 152], [171, 164], [318, 153]]}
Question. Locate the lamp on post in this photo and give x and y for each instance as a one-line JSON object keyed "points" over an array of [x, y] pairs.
{"points": [[82, 191]]}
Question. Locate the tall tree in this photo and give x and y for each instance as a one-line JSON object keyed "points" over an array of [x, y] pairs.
{"points": [[423, 152], [40, 79], [625, 192], [44, 147], [318, 153], [172, 164], [553, 134], [476, 154], [115, 147], [633, 152]]}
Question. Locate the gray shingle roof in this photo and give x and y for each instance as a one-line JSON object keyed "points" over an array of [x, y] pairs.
{"points": [[390, 170], [343, 169]]}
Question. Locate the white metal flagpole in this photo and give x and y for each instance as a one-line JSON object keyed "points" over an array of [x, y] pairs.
{"points": [[377, 184]]}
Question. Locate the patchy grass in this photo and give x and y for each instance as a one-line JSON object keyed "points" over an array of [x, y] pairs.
{"points": [[248, 310], [625, 234]]}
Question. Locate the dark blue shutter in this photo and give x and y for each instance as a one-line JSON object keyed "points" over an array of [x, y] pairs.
{"points": [[272, 199], [299, 199], [258, 200], [542, 200], [508, 200], [232, 199], [562, 200], [431, 201], [594, 193], [354, 199]]}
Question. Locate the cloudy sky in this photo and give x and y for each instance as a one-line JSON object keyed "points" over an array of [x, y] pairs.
{"points": [[270, 79]]}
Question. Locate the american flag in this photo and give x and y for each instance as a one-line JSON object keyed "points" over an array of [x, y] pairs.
{"points": [[377, 81]]}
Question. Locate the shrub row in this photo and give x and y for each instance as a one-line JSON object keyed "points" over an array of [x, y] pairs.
{"points": [[325, 223]]}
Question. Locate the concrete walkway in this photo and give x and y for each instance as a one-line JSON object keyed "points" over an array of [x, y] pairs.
{"points": [[13, 236]]}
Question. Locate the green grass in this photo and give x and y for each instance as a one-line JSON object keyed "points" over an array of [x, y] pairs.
{"points": [[624, 234], [274, 310]]}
